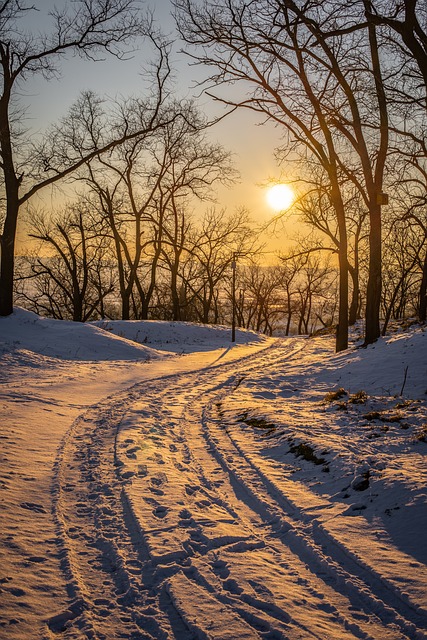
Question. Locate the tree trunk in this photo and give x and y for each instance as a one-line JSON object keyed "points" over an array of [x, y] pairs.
{"points": [[341, 339], [373, 292], [145, 302], [355, 295], [12, 183], [354, 305], [8, 261], [125, 305], [176, 315], [77, 307], [423, 293]]}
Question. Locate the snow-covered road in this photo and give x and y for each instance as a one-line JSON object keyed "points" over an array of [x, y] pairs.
{"points": [[171, 528]]}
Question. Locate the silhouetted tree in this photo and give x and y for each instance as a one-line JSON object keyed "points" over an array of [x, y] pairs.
{"points": [[325, 91], [69, 277], [215, 241], [145, 193], [90, 30]]}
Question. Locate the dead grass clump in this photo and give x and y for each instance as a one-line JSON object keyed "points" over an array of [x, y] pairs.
{"points": [[341, 406], [395, 416], [372, 415], [305, 451], [404, 404], [259, 423], [359, 397], [384, 416], [331, 396], [421, 434]]}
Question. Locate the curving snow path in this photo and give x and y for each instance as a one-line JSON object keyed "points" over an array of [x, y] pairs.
{"points": [[169, 529], [139, 501]]}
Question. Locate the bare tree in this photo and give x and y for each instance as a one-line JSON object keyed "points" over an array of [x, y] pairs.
{"points": [[317, 212], [146, 191], [259, 303], [193, 167], [414, 218], [325, 91], [91, 30], [308, 283], [289, 270], [69, 277], [215, 241], [123, 210], [407, 20], [403, 247]]}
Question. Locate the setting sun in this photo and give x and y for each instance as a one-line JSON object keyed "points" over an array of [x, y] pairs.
{"points": [[280, 197]]}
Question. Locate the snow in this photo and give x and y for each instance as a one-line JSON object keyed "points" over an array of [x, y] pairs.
{"points": [[181, 337], [159, 482]]}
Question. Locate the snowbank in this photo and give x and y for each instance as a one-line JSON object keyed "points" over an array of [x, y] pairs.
{"points": [[178, 336], [393, 363], [25, 330]]}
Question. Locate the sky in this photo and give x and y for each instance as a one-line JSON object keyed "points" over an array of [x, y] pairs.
{"points": [[251, 144]]}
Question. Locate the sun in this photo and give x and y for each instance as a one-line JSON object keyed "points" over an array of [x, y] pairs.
{"points": [[280, 197]]}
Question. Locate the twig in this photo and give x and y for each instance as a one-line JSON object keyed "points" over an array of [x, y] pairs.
{"points": [[404, 379]]}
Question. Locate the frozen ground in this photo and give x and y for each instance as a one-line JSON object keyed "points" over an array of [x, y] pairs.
{"points": [[180, 488]]}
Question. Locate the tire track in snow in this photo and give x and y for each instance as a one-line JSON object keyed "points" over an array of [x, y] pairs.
{"points": [[308, 540], [267, 508], [159, 528], [173, 545], [102, 550]]}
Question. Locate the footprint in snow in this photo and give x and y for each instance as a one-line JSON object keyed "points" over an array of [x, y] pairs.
{"points": [[203, 503], [232, 586], [131, 453], [57, 623], [265, 395], [221, 569], [159, 479], [127, 474], [190, 489], [186, 520], [9, 622], [354, 509], [156, 491], [33, 506], [37, 559]]}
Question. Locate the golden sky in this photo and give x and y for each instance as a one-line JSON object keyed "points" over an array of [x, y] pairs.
{"points": [[252, 146]]}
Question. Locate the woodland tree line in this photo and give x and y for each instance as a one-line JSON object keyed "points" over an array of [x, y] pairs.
{"points": [[344, 82]]}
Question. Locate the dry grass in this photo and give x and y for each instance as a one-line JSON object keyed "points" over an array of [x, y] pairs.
{"points": [[331, 396]]}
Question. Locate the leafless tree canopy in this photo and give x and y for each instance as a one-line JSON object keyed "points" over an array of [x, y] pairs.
{"points": [[344, 82]]}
